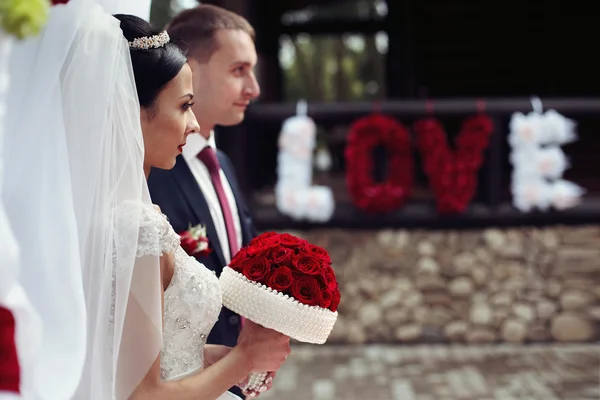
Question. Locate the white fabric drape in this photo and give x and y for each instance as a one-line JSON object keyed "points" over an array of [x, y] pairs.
{"points": [[75, 153], [12, 294]]}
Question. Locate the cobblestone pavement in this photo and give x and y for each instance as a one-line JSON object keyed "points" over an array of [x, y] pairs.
{"points": [[439, 373]]}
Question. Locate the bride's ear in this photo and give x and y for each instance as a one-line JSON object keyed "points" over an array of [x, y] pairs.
{"points": [[145, 118], [146, 115]]}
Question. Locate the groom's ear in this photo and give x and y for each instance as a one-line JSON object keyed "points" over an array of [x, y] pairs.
{"points": [[194, 64], [198, 69]]}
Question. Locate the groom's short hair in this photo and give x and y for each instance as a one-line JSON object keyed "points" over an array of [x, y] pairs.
{"points": [[193, 30]]}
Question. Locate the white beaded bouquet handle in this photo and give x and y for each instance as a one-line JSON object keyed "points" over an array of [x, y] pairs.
{"points": [[293, 289]]}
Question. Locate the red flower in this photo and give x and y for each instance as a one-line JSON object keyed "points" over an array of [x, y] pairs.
{"points": [[290, 241], [9, 365], [329, 277], [326, 298], [335, 301], [303, 248], [203, 243], [365, 135], [280, 256], [257, 269], [195, 242], [280, 279], [306, 290], [55, 2], [237, 262], [307, 265], [320, 253], [453, 174], [289, 265], [266, 241], [188, 243], [262, 237]]}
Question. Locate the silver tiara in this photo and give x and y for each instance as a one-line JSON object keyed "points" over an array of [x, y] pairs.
{"points": [[147, 42]]}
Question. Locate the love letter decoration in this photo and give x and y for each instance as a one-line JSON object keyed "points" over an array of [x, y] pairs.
{"points": [[536, 141], [365, 135], [452, 174]]}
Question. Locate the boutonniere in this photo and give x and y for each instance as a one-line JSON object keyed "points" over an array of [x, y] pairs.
{"points": [[195, 242]]}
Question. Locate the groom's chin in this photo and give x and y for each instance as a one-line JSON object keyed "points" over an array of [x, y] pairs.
{"points": [[233, 119]]}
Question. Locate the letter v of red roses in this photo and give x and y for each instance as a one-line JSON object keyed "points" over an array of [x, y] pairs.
{"points": [[452, 174]]}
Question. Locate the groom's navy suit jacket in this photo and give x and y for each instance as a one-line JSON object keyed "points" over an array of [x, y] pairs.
{"points": [[179, 197]]}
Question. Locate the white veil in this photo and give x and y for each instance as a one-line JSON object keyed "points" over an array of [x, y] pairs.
{"points": [[12, 294], [37, 197], [83, 126]]}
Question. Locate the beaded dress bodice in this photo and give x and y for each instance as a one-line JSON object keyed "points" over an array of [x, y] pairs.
{"points": [[192, 303]]}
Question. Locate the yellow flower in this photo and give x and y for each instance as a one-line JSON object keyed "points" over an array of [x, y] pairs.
{"points": [[23, 18]]}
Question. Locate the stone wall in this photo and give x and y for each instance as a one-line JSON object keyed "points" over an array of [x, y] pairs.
{"points": [[513, 285]]}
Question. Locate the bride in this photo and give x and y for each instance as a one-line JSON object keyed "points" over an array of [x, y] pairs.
{"points": [[123, 100], [192, 297]]}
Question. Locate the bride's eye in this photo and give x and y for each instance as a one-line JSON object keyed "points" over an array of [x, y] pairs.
{"points": [[187, 106]]}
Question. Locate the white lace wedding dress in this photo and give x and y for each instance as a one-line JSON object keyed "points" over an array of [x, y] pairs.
{"points": [[192, 301]]}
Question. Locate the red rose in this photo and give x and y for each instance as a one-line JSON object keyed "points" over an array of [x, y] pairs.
{"points": [[306, 290], [240, 258], [303, 249], [280, 279], [257, 269], [335, 301], [9, 367], [207, 250], [320, 253], [329, 277], [326, 297], [280, 255], [452, 173], [261, 237], [194, 247], [307, 265], [290, 241], [268, 242], [188, 243]]}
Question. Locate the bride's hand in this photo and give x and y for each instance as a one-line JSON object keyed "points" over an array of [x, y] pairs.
{"points": [[251, 394], [214, 352], [267, 386], [265, 349]]}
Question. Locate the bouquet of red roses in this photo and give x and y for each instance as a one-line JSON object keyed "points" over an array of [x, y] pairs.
{"points": [[283, 283]]}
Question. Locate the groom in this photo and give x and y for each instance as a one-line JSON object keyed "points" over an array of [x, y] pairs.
{"points": [[202, 188]]}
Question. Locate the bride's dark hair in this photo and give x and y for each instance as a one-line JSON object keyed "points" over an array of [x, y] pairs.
{"points": [[155, 67]]}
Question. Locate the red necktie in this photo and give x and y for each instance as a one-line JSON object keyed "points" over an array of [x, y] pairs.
{"points": [[209, 157], [9, 363]]}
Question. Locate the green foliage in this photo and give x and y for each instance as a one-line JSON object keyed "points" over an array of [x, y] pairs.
{"points": [[335, 67], [23, 18]]}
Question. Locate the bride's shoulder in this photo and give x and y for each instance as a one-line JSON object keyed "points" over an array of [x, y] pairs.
{"points": [[155, 233], [139, 213]]}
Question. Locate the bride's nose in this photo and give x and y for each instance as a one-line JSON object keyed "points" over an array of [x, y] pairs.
{"points": [[193, 127]]}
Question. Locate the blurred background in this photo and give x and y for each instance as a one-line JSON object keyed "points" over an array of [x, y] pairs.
{"points": [[492, 303]]}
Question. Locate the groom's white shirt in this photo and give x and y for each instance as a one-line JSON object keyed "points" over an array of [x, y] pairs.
{"points": [[194, 144]]}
